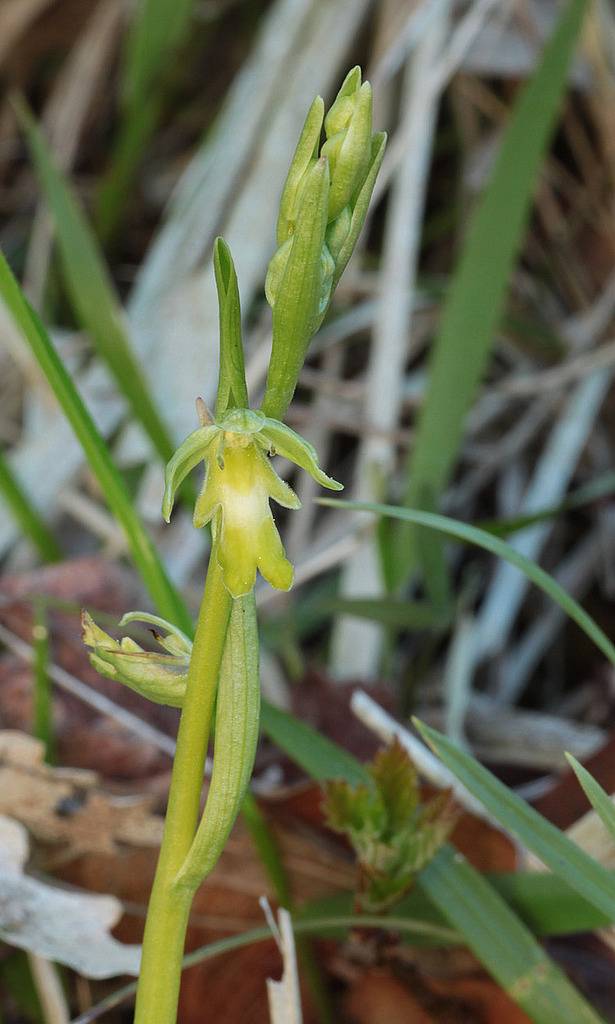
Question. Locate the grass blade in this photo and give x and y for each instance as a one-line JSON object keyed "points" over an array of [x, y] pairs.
{"points": [[43, 700], [480, 538], [164, 595], [601, 487], [25, 514], [318, 756], [389, 611], [159, 27], [475, 299], [553, 848], [600, 801], [90, 288], [502, 943]]}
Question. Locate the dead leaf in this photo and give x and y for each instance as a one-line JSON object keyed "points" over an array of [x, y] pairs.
{"points": [[377, 996], [64, 808], [71, 928]]}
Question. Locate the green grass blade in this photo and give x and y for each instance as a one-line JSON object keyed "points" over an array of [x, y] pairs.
{"points": [[476, 296], [543, 902], [502, 943], [473, 535], [554, 849], [389, 611], [318, 756], [600, 801], [601, 487], [158, 29], [43, 699], [164, 595], [90, 288], [128, 149], [26, 516]]}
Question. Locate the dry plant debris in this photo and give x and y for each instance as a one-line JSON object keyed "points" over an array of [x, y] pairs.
{"points": [[71, 928], [64, 808]]}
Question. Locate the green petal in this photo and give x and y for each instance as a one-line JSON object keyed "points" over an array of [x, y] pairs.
{"points": [[187, 456], [272, 562], [292, 446], [277, 489]]}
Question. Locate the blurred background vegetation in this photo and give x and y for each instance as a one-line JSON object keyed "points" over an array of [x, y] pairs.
{"points": [[465, 367]]}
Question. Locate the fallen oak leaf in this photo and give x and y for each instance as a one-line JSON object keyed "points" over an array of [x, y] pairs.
{"points": [[64, 808], [71, 928]]}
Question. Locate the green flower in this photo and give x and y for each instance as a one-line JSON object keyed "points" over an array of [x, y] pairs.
{"points": [[157, 676], [239, 483]]}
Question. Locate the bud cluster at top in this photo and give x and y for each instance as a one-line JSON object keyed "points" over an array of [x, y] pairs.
{"points": [[323, 207]]}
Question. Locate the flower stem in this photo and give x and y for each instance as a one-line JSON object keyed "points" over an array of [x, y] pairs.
{"points": [[169, 906]]}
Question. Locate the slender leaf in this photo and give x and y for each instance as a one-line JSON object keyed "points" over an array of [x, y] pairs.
{"points": [[473, 535], [158, 29], [543, 902], [554, 848], [600, 801], [317, 755], [476, 296], [26, 515], [502, 943], [389, 611], [601, 487], [90, 288], [43, 699], [164, 595]]}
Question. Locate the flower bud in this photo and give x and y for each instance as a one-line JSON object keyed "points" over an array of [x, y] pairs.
{"points": [[305, 156], [322, 210], [157, 676], [347, 148]]}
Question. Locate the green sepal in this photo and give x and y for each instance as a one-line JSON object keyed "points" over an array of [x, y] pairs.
{"points": [[298, 306], [232, 388], [192, 451], [361, 205], [304, 158], [286, 442]]}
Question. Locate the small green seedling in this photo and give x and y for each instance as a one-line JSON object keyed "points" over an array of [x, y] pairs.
{"points": [[393, 834]]}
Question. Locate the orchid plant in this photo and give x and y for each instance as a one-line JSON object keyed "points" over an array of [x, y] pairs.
{"points": [[322, 210]]}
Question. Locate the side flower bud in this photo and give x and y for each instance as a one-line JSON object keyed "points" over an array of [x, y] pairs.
{"points": [[161, 677]]}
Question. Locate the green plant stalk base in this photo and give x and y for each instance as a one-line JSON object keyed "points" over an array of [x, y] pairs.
{"points": [[169, 907]]}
